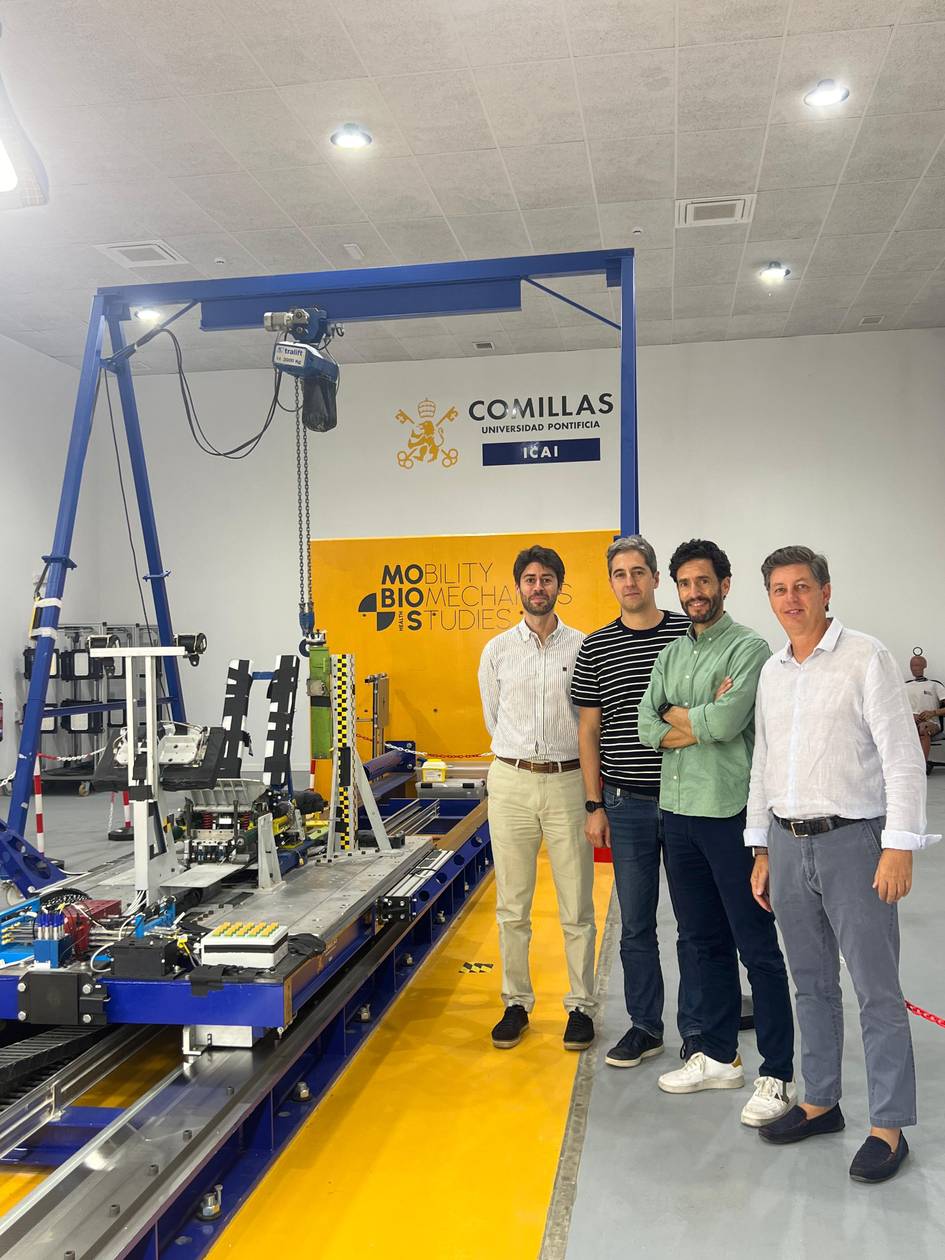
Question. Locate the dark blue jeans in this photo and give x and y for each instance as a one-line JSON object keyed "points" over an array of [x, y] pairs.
{"points": [[636, 837], [710, 869]]}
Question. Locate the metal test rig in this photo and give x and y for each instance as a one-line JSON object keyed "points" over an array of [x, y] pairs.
{"points": [[270, 935]]}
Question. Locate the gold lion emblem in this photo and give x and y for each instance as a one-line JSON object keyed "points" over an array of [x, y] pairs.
{"points": [[426, 443]]}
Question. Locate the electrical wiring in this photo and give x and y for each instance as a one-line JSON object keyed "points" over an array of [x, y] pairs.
{"points": [[124, 501]]}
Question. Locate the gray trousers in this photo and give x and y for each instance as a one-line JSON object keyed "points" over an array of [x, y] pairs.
{"points": [[822, 894]]}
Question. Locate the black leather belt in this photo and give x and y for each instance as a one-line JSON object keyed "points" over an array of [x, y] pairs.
{"points": [[541, 767], [631, 793], [804, 827]]}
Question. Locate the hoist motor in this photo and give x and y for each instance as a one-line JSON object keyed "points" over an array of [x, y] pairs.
{"points": [[303, 356]]}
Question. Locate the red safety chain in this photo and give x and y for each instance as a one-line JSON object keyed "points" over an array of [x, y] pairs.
{"points": [[917, 1010]]}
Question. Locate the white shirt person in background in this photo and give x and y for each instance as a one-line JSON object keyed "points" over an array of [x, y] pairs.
{"points": [[836, 807], [927, 699], [536, 791]]}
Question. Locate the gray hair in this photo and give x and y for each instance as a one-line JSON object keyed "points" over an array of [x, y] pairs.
{"points": [[633, 542], [796, 555]]}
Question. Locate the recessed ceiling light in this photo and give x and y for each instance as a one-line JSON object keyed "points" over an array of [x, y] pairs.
{"points": [[351, 136], [827, 92], [774, 273], [8, 176], [147, 315]]}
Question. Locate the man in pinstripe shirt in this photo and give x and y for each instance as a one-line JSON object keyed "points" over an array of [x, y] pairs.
{"points": [[536, 790]]}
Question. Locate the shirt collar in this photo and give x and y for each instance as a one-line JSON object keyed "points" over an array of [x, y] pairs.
{"points": [[713, 632], [525, 632], [826, 644]]}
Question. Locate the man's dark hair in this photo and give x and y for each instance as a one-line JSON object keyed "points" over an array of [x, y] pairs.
{"points": [[700, 549], [542, 555], [796, 555]]}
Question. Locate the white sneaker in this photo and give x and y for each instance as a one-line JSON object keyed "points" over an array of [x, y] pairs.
{"points": [[701, 1072], [772, 1098]]}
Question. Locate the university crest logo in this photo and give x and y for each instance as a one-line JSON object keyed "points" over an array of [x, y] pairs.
{"points": [[426, 442]]}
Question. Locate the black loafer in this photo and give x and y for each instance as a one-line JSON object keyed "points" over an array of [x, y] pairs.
{"points": [[794, 1126], [874, 1161]]}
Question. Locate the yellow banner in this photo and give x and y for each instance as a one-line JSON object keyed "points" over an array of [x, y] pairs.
{"points": [[422, 609]]}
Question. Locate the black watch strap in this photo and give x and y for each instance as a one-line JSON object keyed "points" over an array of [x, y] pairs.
{"points": [[591, 807]]}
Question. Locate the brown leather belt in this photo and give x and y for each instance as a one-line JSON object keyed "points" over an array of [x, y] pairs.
{"points": [[541, 767]]}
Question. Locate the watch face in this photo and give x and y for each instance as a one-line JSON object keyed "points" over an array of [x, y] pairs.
{"points": [[591, 806]]}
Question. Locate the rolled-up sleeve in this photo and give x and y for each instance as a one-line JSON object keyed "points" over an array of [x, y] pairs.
{"points": [[722, 720], [651, 728], [757, 814]]}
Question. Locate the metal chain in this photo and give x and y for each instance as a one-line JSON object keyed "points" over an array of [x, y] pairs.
{"points": [[298, 491], [308, 527]]}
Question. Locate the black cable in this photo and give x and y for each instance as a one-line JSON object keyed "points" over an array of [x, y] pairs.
{"points": [[124, 500]]}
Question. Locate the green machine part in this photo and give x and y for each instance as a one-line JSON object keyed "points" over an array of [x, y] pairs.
{"points": [[319, 689]]}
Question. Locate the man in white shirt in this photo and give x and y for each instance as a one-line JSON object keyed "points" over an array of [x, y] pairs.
{"points": [[836, 807], [535, 789], [927, 699]]}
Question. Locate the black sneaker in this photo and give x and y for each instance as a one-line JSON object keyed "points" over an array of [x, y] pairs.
{"points": [[874, 1161], [632, 1048], [511, 1028], [580, 1031], [689, 1047]]}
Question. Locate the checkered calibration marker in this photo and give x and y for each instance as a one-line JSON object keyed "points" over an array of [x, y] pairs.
{"points": [[244, 943], [476, 967], [342, 682]]}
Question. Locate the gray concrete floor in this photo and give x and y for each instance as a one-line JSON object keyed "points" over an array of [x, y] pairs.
{"points": [[664, 1175]]}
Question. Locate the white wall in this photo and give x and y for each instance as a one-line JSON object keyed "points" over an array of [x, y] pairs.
{"points": [[837, 442]]}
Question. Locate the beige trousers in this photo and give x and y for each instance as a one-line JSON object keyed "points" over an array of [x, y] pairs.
{"points": [[523, 807]]}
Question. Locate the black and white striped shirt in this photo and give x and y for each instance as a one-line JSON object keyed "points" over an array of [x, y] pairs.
{"points": [[525, 686], [611, 673]]}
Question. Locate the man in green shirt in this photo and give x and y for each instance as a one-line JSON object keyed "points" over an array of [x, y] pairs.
{"points": [[699, 708]]}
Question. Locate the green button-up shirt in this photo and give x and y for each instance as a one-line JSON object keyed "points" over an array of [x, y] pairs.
{"points": [[709, 779]]}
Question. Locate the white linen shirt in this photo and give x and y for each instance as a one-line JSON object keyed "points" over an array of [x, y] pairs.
{"points": [[526, 693], [834, 734]]}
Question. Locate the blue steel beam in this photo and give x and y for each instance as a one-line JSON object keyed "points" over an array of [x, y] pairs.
{"points": [[577, 305], [629, 464]]}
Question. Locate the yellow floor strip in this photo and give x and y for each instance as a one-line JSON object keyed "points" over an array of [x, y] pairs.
{"points": [[432, 1143]]}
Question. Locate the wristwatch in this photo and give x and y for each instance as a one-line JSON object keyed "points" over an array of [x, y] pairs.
{"points": [[664, 708], [591, 807]]}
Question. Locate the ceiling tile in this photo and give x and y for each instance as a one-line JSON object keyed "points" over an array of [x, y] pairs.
{"points": [[891, 290], [722, 21], [554, 231], [928, 313], [384, 352], [312, 195], [936, 168], [536, 340], [922, 11], [236, 202], [845, 255], [216, 254], [799, 154], [718, 163], [390, 188], [786, 213], [168, 134], [469, 183], [829, 292], [655, 332], [652, 221], [896, 146], [550, 175], [891, 318], [841, 15], [283, 250], [631, 94], [653, 268], [402, 39], [813, 321], [867, 208], [620, 25], [690, 301], [477, 326], [491, 235], [535, 103], [443, 347], [331, 242], [538, 311], [927, 207], [254, 127], [851, 57], [79, 147], [343, 353], [731, 234], [635, 170], [706, 264], [753, 297], [726, 85], [377, 330], [495, 32], [912, 78], [652, 304], [745, 327], [294, 43], [912, 251], [323, 107], [590, 337], [438, 113], [713, 329], [421, 241]]}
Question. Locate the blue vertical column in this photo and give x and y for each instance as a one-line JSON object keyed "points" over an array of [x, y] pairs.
{"points": [[629, 463], [156, 574]]}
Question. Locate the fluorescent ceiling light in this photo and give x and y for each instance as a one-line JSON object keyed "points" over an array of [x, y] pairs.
{"points": [[23, 180], [8, 176], [147, 315], [774, 273], [827, 92], [351, 136]]}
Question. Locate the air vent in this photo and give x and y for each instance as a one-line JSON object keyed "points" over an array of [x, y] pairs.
{"points": [[871, 321], [143, 254], [483, 345], [717, 212], [353, 250]]}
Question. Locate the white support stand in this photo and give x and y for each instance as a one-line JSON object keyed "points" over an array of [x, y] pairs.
{"points": [[270, 873]]}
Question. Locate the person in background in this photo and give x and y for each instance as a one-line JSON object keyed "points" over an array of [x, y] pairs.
{"points": [[835, 810], [535, 791], [927, 700]]}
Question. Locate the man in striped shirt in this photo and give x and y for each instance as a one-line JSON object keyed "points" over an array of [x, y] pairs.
{"points": [[610, 676], [535, 791]]}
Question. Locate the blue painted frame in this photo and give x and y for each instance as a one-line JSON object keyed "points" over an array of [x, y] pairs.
{"points": [[431, 289]]}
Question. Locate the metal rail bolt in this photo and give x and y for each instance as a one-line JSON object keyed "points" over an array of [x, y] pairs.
{"points": [[364, 1014], [211, 1204], [301, 1093]]}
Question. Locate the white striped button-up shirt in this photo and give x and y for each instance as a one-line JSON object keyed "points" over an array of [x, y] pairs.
{"points": [[526, 693]]}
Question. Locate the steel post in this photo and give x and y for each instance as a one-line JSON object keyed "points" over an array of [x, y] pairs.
{"points": [[629, 465]]}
